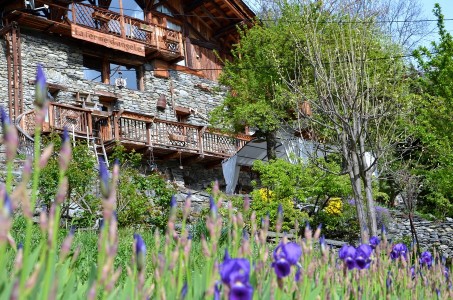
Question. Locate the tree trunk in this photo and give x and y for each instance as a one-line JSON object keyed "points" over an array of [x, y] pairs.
{"points": [[271, 144], [356, 182], [370, 203], [413, 231]]}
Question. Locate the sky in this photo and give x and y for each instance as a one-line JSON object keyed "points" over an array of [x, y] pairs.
{"points": [[447, 11]]}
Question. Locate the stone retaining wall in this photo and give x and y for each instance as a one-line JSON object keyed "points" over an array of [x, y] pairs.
{"points": [[431, 235]]}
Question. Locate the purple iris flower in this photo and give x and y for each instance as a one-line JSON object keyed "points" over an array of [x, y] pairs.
{"points": [[140, 251], [240, 291], [173, 202], [104, 176], [184, 291], [65, 137], [322, 243], [7, 205], [41, 87], [426, 259], [413, 272], [4, 118], [388, 281], [280, 209], [217, 291], [235, 273], [362, 256], [285, 256], [398, 250], [347, 254], [374, 242], [212, 206]]}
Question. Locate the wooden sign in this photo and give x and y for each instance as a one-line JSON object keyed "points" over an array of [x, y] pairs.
{"points": [[107, 40]]}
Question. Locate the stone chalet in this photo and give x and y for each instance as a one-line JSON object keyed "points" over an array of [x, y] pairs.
{"points": [[139, 72]]}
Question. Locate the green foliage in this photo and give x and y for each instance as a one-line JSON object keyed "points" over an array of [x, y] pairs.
{"points": [[303, 181], [142, 199], [81, 175], [268, 206], [434, 122], [344, 226], [258, 95]]}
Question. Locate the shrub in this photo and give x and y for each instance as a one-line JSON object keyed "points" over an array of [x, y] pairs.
{"points": [[81, 175], [265, 203], [343, 225], [142, 199]]}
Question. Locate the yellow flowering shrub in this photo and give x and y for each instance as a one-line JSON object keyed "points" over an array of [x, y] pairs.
{"points": [[265, 194], [265, 202], [334, 207]]}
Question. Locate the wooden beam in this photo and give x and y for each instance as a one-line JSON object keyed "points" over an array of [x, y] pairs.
{"points": [[5, 30], [197, 33], [226, 29], [216, 6], [211, 16], [194, 5], [192, 159], [171, 155], [205, 44]]}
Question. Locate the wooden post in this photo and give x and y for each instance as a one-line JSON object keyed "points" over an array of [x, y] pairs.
{"points": [[51, 120], [123, 31], [116, 128], [90, 123], [148, 134], [105, 73]]}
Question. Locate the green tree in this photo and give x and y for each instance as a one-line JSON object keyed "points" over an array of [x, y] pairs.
{"points": [[434, 121], [257, 97]]}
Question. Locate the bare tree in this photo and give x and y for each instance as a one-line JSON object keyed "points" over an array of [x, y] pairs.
{"points": [[353, 90], [408, 186]]}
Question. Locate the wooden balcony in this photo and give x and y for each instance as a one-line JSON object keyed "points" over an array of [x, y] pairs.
{"points": [[103, 27], [140, 132]]}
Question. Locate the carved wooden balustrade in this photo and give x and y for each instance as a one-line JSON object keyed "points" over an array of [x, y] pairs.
{"points": [[135, 129], [25, 123], [76, 120], [112, 23], [139, 128]]}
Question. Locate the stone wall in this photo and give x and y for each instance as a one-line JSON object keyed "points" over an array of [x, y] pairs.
{"points": [[63, 64], [3, 74], [438, 235]]}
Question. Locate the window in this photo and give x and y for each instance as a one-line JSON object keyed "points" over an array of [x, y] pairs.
{"points": [[130, 8], [99, 70], [129, 74], [170, 25], [92, 68]]}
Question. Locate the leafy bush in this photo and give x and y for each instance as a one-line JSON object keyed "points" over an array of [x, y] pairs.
{"points": [[81, 174], [265, 203], [142, 199], [343, 226]]}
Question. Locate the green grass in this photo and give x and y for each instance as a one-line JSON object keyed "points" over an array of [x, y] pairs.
{"points": [[87, 240]]}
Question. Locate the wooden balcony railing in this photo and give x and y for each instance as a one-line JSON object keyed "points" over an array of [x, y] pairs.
{"points": [[76, 120], [133, 128], [105, 21]]}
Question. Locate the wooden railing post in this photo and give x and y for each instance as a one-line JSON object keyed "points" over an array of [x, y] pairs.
{"points": [[116, 127], [148, 133], [123, 29], [201, 139], [90, 123], [51, 115]]}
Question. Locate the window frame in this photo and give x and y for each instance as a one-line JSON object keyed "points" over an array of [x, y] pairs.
{"points": [[102, 65]]}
